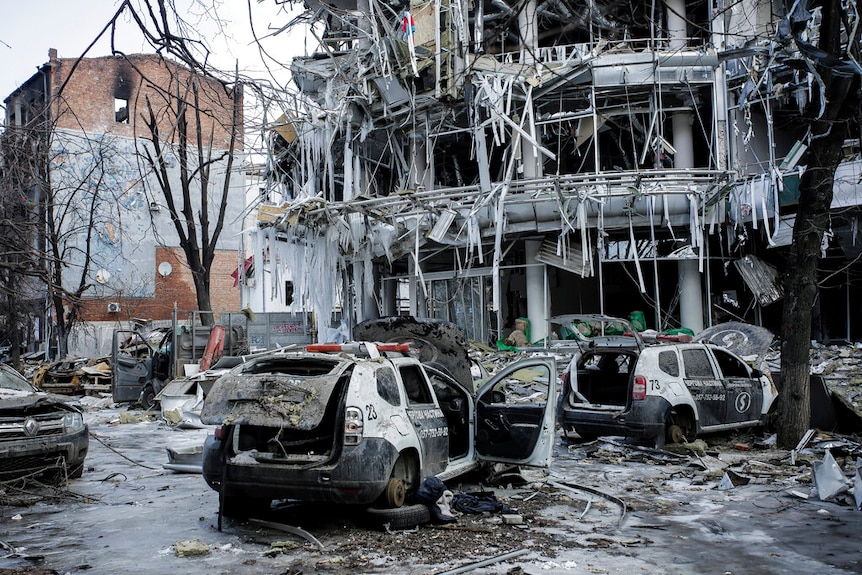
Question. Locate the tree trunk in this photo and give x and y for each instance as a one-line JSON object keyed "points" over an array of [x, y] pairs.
{"points": [[838, 106], [202, 290], [800, 280]]}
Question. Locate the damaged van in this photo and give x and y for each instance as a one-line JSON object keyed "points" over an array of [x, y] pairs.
{"points": [[365, 422], [671, 389]]}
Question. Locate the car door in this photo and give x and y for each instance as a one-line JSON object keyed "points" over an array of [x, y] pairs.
{"points": [[744, 392], [129, 372], [426, 417], [515, 415], [705, 386]]}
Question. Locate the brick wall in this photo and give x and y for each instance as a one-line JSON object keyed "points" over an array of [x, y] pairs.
{"points": [[87, 101], [177, 287]]}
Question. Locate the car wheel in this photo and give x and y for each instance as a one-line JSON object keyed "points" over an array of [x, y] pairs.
{"points": [[676, 434], [76, 472], [395, 493], [403, 481], [679, 428], [242, 507], [405, 517], [148, 397]]}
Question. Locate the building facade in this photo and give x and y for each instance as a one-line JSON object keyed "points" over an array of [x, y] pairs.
{"points": [[490, 160], [93, 124]]}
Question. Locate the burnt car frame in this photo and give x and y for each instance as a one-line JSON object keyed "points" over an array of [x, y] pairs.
{"points": [[364, 423], [41, 436]]}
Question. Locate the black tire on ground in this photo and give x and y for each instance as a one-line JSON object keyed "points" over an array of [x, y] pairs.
{"points": [[76, 472], [405, 517], [148, 397], [241, 507]]}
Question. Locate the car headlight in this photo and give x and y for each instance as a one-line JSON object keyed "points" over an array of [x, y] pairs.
{"points": [[73, 422]]}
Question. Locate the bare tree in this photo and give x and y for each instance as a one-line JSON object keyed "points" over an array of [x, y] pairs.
{"points": [[195, 198], [832, 111]]}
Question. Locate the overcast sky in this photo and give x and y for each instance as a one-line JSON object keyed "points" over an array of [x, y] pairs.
{"points": [[28, 28]]}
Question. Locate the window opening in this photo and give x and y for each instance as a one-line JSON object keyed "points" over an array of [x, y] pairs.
{"points": [[121, 110]]}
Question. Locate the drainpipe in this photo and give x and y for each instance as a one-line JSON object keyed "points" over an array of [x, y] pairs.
{"points": [[690, 285]]}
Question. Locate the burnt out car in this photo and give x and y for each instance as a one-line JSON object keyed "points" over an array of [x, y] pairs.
{"points": [[666, 390], [40, 436], [364, 423]]}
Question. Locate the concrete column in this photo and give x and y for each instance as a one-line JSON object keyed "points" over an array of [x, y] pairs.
{"points": [[690, 296], [676, 25], [683, 139], [388, 295], [537, 299], [369, 302], [690, 283], [528, 27]]}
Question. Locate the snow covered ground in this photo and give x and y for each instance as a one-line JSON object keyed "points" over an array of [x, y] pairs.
{"points": [[606, 507]]}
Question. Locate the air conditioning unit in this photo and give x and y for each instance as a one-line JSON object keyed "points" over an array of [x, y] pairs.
{"points": [[113, 307]]}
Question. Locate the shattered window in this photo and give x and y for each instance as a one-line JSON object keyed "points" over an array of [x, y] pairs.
{"points": [[668, 363], [415, 385], [121, 110], [697, 363], [730, 366], [387, 386]]}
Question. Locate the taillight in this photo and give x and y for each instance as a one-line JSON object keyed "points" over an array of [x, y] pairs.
{"points": [[639, 388], [353, 426], [564, 382], [219, 433]]}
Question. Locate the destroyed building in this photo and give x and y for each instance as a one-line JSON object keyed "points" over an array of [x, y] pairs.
{"points": [[489, 160], [85, 121]]}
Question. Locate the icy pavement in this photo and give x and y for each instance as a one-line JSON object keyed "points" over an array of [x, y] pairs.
{"points": [[605, 508]]}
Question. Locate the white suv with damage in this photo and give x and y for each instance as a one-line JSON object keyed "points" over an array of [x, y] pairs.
{"points": [[672, 389], [364, 423]]}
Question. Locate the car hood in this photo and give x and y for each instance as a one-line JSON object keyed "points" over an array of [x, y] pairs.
{"points": [[743, 339], [440, 343], [13, 399], [269, 399]]}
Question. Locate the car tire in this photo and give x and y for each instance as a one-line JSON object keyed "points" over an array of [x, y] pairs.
{"points": [[76, 472], [405, 517], [148, 397]]}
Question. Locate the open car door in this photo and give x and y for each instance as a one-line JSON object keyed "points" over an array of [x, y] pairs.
{"points": [[515, 413]]}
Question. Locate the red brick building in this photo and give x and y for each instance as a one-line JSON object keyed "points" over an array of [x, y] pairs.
{"points": [[96, 121]]}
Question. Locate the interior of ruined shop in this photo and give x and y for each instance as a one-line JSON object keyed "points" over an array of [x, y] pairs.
{"points": [[619, 150]]}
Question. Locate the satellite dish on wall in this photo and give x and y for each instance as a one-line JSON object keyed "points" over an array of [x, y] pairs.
{"points": [[165, 269], [102, 276]]}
